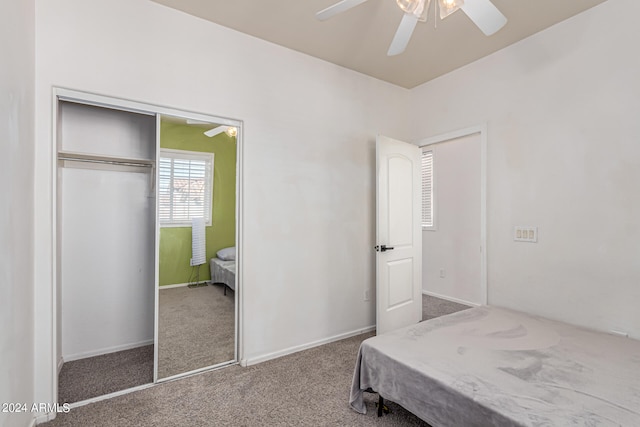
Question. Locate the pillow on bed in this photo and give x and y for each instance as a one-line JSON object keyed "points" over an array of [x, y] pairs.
{"points": [[227, 254]]}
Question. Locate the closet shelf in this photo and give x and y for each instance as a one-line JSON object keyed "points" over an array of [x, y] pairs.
{"points": [[96, 158]]}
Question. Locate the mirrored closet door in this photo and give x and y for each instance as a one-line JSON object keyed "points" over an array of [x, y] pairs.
{"points": [[197, 255], [146, 212]]}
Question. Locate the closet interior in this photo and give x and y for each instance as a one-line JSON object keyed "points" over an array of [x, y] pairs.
{"points": [[108, 249]]}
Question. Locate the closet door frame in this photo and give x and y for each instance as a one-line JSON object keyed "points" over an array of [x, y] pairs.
{"points": [[87, 98]]}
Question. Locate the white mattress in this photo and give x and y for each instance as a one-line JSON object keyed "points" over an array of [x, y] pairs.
{"points": [[223, 272], [488, 366]]}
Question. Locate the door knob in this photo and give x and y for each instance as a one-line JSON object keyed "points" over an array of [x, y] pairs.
{"points": [[383, 248]]}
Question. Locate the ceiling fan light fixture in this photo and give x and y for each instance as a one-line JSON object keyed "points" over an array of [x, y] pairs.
{"points": [[415, 7], [447, 7], [424, 9], [231, 131]]}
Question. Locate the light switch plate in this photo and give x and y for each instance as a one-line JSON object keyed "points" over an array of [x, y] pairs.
{"points": [[522, 233]]}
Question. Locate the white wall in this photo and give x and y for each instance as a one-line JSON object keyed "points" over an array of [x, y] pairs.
{"points": [[17, 26], [562, 109], [450, 252], [107, 233], [308, 155]]}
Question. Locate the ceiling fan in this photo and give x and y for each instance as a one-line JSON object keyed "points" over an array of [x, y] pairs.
{"points": [[482, 12], [231, 131]]}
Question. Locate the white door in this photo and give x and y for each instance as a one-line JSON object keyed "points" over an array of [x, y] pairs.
{"points": [[398, 235]]}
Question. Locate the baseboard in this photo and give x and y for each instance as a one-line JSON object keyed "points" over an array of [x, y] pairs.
{"points": [[458, 300], [43, 418], [295, 349], [107, 350], [60, 363], [181, 285]]}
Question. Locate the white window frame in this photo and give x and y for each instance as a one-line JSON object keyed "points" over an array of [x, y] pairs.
{"points": [[208, 193], [432, 193]]}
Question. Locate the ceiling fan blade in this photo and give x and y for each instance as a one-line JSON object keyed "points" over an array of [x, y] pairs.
{"points": [[215, 131], [485, 15], [337, 8], [403, 34]]}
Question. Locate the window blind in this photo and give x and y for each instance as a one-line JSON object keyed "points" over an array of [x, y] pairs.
{"points": [[427, 189], [184, 187]]}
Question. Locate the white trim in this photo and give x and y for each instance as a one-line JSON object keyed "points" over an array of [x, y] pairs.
{"points": [[297, 348], [239, 294], [457, 300], [196, 371], [107, 350], [482, 130], [182, 285], [60, 363], [156, 276], [43, 418], [56, 353], [87, 98], [75, 405]]}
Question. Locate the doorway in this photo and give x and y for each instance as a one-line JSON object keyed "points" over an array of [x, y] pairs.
{"points": [[454, 238]]}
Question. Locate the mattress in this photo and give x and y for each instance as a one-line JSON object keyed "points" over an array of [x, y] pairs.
{"points": [[223, 272], [492, 366]]}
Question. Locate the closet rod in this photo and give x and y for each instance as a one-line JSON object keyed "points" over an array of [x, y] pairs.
{"points": [[109, 162]]}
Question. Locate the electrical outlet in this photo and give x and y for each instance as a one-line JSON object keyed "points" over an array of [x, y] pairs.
{"points": [[366, 295], [443, 273]]}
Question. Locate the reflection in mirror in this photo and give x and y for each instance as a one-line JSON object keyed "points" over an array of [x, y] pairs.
{"points": [[196, 204]]}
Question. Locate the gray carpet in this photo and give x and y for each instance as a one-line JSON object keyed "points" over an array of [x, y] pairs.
{"points": [[310, 387], [96, 376], [436, 307], [196, 328]]}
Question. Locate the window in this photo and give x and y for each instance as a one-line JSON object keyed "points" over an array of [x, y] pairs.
{"points": [[428, 216], [185, 187]]}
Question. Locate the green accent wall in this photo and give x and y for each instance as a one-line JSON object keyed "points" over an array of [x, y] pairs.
{"points": [[175, 242]]}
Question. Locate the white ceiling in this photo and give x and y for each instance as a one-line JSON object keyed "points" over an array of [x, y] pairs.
{"points": [[359, 38]]}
